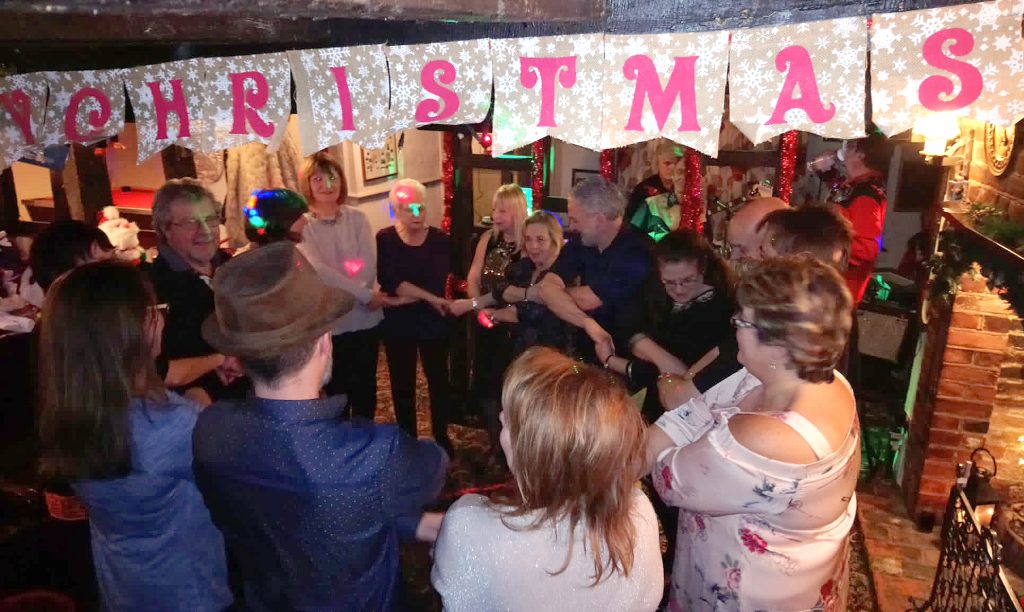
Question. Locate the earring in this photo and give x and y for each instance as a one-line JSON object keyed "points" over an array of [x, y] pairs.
{"points": [[773, 365]]}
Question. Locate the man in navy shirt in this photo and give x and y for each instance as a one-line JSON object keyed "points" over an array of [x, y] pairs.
{"points": [[610, 259], [312, 506]]}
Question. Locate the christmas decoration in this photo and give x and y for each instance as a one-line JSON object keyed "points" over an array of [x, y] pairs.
{"points": [[608, 164], [692, 216], [448, 181], [787, 163], [537, 172]]}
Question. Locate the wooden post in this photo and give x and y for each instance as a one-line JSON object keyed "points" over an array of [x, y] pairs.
{"points": [[86, 183], [9, 214], [61, 210], [178, 162]]}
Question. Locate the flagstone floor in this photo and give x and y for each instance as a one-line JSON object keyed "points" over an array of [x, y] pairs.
{"points": [[901, 559]]}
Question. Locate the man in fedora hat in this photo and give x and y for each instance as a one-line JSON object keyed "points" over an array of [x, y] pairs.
{"points": [[312, 506]]}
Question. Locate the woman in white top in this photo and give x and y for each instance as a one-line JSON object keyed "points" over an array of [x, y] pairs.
{"points": [[339, 242], [577, 533], [763, 466]]}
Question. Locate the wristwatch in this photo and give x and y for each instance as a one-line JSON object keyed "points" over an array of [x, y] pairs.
{"points": [[475, 304]]}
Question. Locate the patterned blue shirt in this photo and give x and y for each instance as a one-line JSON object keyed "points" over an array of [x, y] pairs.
{"points": [[153, 543], [313, 506]]}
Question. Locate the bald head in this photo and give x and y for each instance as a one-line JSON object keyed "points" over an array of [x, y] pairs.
{"points": [[742, 232]]}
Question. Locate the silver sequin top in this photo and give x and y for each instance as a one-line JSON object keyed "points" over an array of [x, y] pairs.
{"points": [[482, 564]]}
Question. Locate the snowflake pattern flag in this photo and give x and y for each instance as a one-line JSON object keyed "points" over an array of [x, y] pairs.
{"points": [[650, 89], [967, 60], [22, 109], [547, 87], [246, 98], [341, 94], [177, 118], [84, 107], [808, 77], [448, 83]]}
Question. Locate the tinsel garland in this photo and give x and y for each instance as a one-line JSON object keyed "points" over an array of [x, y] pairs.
{"points": [[692, 214], [448, 187], [787, 163], [608, 164], [448, 180], [537, 171]]}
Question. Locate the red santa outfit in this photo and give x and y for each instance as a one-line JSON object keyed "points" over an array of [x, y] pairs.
{"points": [[862, 201]]}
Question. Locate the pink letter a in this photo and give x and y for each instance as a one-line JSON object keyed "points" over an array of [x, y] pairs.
{"points": [[801, 72]]}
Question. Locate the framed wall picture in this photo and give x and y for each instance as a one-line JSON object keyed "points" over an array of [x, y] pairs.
{"points": [[579, 174], [381, 163]]}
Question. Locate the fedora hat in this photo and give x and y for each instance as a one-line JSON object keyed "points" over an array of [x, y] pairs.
{"points": [[270, 300]]}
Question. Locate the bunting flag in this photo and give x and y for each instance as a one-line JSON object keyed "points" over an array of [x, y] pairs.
{"points": [[592, 90], [547, 87], [808, 77], [341, 94], [246, 98], [22, 110], [84, 107], [448, 83], [168, 105], [650, 89], [967, 60]]}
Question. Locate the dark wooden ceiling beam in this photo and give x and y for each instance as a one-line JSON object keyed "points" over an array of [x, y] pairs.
{"points": [[462, 10]]}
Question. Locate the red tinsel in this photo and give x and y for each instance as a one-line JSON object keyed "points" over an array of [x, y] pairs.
{"points": [[608, 164], [537, 171], [448, 186], [787, 164], [448, 180], [692, 214]]}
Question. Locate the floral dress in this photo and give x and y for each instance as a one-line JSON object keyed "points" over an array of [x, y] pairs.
{"points": [[754, 533]]}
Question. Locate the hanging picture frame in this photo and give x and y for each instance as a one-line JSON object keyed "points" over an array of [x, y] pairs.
{"points": [[381, 163]]}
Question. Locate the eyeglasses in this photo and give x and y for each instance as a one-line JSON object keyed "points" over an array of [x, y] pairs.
{"points": [[739, 323], [681, 283], [193, 224]]}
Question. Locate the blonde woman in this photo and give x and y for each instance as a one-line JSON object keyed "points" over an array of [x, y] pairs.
{"points": [[577, 533], [763, 466], [339, 242]]}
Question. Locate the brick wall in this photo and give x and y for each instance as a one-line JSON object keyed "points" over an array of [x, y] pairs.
{"points": [[970, 395], [1006, 192]]}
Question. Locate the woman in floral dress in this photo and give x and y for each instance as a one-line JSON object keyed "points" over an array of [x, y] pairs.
{"points": [[763, 466]]}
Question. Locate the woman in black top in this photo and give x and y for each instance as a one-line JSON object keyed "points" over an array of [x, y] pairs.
{"points": [[498, 248], [685, 320], [534, 323], [413, 262]]}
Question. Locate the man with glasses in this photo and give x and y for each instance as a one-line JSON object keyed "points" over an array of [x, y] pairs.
{"points": [[187, 223]]}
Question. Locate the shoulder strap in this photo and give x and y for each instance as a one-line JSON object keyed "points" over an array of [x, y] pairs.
{"points": [[809, 432]]}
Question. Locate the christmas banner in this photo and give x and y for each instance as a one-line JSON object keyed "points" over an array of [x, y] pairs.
{"points": [[591, 90], [547, 87], [246, 99], [22, 109], [84, 107], [168, 104], [650, 89], [808, 77], [341, 94], [966, 60], [447, 83]]}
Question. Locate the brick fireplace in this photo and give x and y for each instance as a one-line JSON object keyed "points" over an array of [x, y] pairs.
{"points": [[970, 394]]}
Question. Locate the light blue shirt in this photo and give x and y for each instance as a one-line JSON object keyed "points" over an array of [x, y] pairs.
{"points": [[153, 543]]}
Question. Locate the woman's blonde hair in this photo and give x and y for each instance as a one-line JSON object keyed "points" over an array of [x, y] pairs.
{"points": [[321, 162], [512, 196], [578, 451], [802, 305], [550, 223]]}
